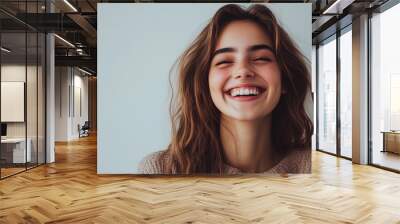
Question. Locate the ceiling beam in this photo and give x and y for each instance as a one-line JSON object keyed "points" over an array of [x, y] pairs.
{"points": [[85, 61], [83, 23], [337, 6]]}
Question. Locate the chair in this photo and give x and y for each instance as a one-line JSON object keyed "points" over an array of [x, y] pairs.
{"points": [[84, 130]]}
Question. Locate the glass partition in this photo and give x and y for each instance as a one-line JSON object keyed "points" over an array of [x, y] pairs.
{"points": [[313, 90], [346, 93], [32, 95], [327, 96], [32, 85], [13, 108], [22, 77]]}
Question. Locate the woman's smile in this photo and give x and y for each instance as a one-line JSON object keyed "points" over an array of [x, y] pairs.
{"points": [[245, 92]]}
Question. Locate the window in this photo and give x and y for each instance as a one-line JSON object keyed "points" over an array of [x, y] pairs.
{"points": [[346, 93], [327, 96], [385, 89]]}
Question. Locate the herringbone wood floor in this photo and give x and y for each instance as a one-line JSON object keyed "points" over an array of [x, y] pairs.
{"points": [[70, 191]]}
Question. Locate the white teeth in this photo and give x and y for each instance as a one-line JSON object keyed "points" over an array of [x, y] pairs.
{"points": [[245, 91]]}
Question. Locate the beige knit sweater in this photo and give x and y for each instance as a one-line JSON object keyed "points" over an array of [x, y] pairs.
{"points": [[298, 161]]}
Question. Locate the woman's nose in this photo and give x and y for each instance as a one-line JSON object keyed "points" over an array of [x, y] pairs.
{"points": [[243, 71]]}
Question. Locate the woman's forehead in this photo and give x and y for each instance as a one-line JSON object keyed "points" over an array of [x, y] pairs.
{"points": [[241, 34]]}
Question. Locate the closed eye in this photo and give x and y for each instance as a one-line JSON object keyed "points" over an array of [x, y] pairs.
{"points": [[262, 59], [223, 62]]}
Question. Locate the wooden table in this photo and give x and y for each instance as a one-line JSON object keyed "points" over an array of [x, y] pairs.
{"points": [[391, 141]]}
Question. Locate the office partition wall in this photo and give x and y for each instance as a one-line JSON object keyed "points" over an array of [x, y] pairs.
{"points": [[13, 79], [22, 74]]}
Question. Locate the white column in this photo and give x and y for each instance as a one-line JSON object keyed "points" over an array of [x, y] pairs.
{"points": [[50, 93], [50, 110], [360, 90], [63, 101]]}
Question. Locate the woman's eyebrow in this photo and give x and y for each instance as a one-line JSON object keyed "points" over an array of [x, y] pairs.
{"points": [[261, 47], [252, 48], [223, 50]]}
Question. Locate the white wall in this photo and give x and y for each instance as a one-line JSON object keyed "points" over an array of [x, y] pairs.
{"points": [[79, 117], [33, 127], [13, 100], [133, 72], [68, 82], [16, 72], [61, 103]]}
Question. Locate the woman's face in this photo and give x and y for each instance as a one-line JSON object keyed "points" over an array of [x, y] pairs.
{"points": [[244, 77]]}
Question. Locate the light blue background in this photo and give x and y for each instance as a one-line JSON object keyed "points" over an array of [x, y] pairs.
{"points": [[137, 46]]}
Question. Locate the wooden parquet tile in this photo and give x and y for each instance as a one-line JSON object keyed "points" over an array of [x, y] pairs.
{"points": [[70, 191]]}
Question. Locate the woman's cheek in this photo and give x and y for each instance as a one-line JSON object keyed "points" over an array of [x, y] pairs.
{"points": [[272, 76], [217, 79]]}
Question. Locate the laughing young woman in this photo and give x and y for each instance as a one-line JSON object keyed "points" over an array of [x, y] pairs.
{"points": [[240, 103]]}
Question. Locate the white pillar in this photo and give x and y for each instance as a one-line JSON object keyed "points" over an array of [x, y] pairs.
{"points": [[360, 90], [50, 110], [50, 93]]}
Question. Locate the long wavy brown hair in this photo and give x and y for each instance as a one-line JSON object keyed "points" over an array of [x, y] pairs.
{"points": [[195, 146]]}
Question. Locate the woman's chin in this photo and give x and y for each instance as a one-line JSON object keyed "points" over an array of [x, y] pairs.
{"points": [[249, 116]]}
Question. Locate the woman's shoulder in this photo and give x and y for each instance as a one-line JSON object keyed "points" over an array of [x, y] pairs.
{"points": [[302, 160], [153, 163], [297, 161]]}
